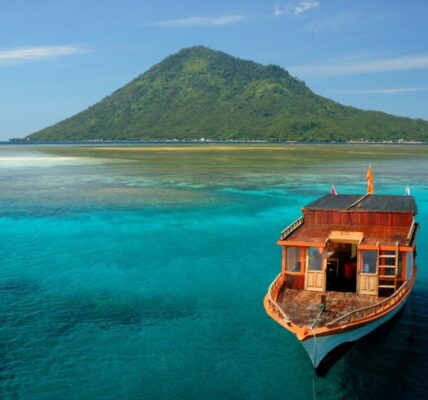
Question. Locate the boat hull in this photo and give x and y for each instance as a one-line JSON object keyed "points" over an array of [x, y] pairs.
{"points": [[319, 347]]}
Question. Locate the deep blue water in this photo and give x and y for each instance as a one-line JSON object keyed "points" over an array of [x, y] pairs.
{"points": [[141, 280]]}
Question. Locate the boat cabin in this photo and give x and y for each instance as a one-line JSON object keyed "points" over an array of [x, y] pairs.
{"points": [[362, 244]]}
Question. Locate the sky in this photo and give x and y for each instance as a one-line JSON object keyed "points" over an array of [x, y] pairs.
{"points": [[58, 57]]}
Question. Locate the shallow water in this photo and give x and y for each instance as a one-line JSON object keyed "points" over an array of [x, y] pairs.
{"points": [[139, 273]]}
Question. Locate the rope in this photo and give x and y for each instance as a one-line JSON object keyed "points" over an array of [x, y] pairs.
{"points": [[322, 307], [314, 393]]}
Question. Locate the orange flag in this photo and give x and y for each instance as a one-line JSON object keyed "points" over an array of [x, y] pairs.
{"points": [[369, 178]]}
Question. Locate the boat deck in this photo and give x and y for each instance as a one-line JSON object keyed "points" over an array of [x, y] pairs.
{"points": [[303, 307]]}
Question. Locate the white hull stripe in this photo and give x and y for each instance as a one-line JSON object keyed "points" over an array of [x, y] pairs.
{"points": [[319, 347]]}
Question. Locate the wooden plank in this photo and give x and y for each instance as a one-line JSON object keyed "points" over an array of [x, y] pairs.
{"points": [[346, 236], [386, 248], [299, 243]]}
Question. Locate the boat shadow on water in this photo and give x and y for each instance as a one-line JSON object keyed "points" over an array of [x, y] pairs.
{"points": [[373, 340], [390, 362]]}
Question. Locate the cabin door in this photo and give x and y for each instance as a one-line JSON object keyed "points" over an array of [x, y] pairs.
{"points": [[315, 269], [368, 284], [367, 278]]}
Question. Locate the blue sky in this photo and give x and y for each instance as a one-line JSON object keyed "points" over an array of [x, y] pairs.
{"points": [[58, 57]]}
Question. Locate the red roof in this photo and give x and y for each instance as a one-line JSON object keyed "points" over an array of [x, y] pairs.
{"points": [[387, 236]]}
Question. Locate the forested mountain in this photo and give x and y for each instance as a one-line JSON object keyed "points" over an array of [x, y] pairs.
{"points": [[199, 92]]}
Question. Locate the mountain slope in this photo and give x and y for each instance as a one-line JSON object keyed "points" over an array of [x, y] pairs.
{"points": [[199, 92]]}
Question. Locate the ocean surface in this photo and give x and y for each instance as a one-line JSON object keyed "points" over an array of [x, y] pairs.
{"points": [[138, 272]]}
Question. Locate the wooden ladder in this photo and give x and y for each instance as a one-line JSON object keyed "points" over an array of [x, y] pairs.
{"points": [[392, 268]]}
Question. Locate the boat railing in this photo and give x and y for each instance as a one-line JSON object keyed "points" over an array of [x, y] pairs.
{"points": [[291, 228], [273, 290], [374, 309], [412, 232]]}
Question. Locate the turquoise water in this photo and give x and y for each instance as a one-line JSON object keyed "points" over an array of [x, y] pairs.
{"points": [[140, 275]]}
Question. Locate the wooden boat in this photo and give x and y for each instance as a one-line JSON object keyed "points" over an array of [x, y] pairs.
{"points": [[348, 266]]}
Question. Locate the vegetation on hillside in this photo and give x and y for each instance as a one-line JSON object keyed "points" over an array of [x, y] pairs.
{"points": [[199, 92]]}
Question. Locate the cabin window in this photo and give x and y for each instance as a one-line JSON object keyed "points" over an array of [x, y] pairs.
{"points": [[369, 261], [315, 258], [409, 264], [293, 259]]}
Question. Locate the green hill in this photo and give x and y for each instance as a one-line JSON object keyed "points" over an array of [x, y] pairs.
{"points": [[199, 92]]}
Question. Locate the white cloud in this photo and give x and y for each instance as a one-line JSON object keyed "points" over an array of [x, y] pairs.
{"points": [[38, 53], [362, 66], [201, 21], [295, 8], [304, 6], [278, 10], [378, 91]]}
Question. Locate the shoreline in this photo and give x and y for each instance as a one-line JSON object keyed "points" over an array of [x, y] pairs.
{"points": [[207, 143]]}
